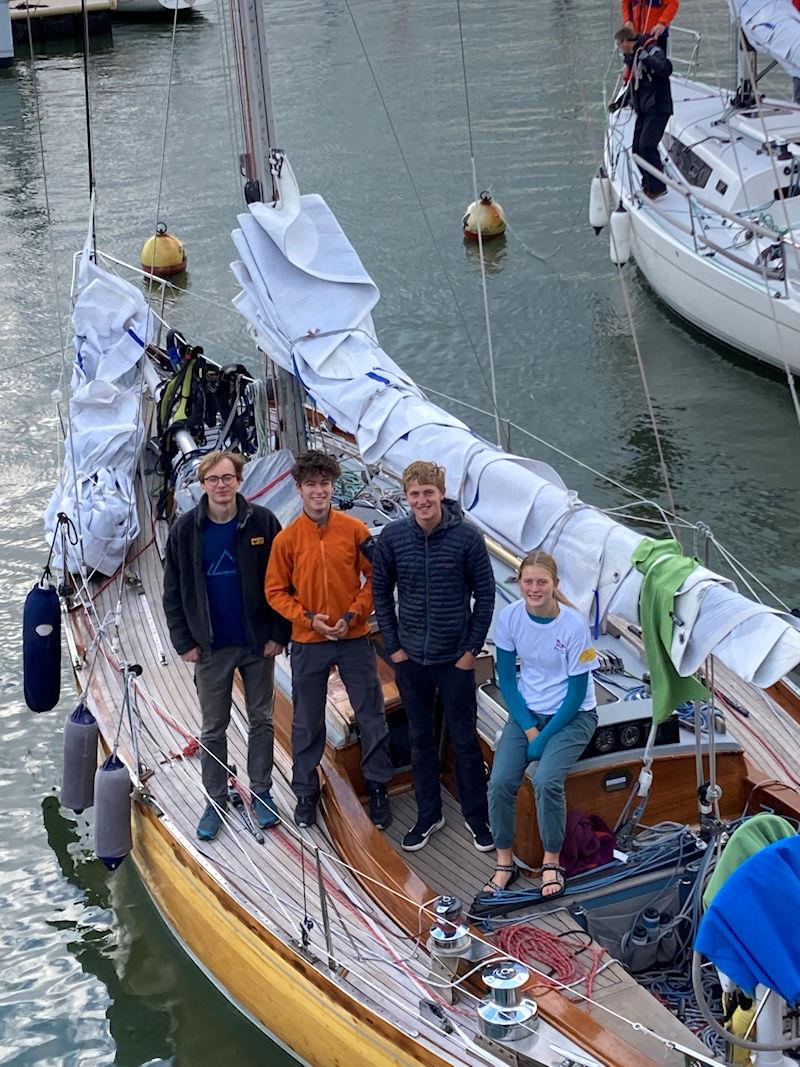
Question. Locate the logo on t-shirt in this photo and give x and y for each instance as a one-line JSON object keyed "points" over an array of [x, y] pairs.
{"points": [[587, 655], [559, 646], [224, 567]]}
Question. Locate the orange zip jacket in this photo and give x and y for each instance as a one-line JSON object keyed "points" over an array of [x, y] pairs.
{"points": [[316, 570], [644, 14]]}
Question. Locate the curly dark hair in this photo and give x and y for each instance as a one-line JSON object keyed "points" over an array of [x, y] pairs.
{"points": [[314, 464]]}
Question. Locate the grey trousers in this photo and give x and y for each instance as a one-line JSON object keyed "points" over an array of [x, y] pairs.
{"points": [[214, 680], [560, 755], [311, 665]]}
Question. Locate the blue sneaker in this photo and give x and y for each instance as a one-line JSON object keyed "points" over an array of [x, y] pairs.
{"points": [[210, 824], [265, 810]]}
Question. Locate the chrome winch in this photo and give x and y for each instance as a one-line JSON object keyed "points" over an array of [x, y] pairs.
{"points": [[449, 936], [505, 1015]]}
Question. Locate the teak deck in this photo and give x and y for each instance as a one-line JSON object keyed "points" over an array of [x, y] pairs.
{"points": [[239, 907]]}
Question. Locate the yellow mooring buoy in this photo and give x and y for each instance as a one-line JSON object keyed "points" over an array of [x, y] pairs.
{"points": [[487, 215], [163, 254]]}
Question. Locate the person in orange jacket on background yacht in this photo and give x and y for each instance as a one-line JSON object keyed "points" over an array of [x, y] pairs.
{"points": [[319, 577], [650, 17]]}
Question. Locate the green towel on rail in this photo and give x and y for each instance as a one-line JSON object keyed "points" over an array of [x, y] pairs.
{"points": [[753, 835], [665, 569]]}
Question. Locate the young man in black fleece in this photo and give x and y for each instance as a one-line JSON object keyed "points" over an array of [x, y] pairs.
{"points": [[439, 565], [220, 621]]}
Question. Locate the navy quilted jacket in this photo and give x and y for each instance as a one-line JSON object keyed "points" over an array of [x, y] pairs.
{"points": [[436, 575]]}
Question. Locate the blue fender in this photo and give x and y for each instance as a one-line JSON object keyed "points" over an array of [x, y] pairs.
{"points": [[41, 648]]}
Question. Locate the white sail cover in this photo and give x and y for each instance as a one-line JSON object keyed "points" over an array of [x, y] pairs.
{"points": [[772, 27], [308, 298], [112, 326]]}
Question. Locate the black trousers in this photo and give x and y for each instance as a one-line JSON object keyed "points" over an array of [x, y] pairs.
{"points": [[418, 685], [647, 134]]}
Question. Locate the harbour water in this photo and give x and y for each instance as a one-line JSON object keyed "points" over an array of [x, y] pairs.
{"points": [[370, 108]]}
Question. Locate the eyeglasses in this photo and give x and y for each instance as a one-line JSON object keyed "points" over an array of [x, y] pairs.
{"points": [[219, 479]]}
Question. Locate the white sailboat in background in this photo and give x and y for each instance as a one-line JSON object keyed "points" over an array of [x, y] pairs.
{"points": [[722, 248], [336, 942]]}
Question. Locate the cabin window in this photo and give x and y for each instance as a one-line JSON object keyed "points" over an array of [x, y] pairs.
{"points": [[721, 187], [690, 165]]}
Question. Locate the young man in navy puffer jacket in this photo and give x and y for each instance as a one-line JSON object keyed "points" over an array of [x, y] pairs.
{"points": [[445, 589]]}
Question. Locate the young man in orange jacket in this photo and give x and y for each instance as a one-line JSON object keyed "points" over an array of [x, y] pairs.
{"points": [[314, 579]]}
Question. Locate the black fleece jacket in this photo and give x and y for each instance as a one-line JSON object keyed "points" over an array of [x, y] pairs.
{"points": [[436, 575], [185, 596]]}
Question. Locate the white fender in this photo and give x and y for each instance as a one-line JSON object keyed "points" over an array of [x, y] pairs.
{"points": [[620, 244], [599, 201]]}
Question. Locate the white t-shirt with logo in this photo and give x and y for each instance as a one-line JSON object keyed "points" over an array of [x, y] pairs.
{"points": [[549, 652]]}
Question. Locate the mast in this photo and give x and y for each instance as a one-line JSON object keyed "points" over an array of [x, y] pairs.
{"points": [[260, 165]]}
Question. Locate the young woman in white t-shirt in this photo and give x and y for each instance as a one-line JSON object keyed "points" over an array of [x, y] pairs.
{"points": [[552, 714]]}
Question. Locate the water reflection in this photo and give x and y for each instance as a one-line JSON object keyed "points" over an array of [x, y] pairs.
{"points": [[155, 993]]}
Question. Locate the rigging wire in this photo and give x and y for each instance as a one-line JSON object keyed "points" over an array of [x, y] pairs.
{"points": [[88, 109], [362, 876], [624, 284], [53, 269], [416, 192], [136, 459], [767, 143], [481, 256]]}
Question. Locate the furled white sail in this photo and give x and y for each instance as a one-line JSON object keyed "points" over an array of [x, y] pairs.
{"points": [[112, 325], [772, 27], [308, 299]]}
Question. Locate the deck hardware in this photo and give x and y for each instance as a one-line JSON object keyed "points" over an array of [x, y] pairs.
{"points": [[433, 1013], [323, 903], [449, 936], [504, 1015]]}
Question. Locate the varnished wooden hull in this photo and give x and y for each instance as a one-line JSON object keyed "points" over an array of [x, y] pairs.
{"points": [[274, 986]]}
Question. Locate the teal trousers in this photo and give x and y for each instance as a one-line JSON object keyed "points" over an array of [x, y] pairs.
{"points": [[560, 755]]}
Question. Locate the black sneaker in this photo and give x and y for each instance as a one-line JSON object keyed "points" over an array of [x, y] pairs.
{"points": [[417, 836], [379, 810], [305, 814], [481, 837]]}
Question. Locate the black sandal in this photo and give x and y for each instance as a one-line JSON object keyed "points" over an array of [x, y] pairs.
{"points": [[507, 868], [560, 880]]}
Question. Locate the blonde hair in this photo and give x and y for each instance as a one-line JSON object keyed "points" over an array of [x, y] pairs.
{"points": [[538, 558], [211, 459], [424, 472]]}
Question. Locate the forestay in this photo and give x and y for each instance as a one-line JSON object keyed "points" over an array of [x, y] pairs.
{"points": [[309, 300]]}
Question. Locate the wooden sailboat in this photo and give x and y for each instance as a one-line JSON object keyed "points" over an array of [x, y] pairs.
{"points": [[333, 940]]}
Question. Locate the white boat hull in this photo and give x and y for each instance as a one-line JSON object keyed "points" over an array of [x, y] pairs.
{"points": [[732, 309], [153, 7], [699, 252]]}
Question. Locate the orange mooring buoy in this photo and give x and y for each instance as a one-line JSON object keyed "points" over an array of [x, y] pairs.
{"points": [[487, 215], [163, 254]]}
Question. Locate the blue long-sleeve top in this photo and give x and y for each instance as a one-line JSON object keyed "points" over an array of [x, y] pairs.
{"points": [[577, 685]]}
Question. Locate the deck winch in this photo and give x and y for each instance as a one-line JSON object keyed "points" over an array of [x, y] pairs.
{"points": [[504, 1015], [450, 936]]}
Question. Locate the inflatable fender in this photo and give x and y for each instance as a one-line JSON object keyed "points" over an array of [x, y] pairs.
{"points": [[112, 812], [41, 647], [80, 760]]}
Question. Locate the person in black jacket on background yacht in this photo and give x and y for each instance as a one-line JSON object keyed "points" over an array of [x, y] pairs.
{"points": [[648, 93], [445, 586]]}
